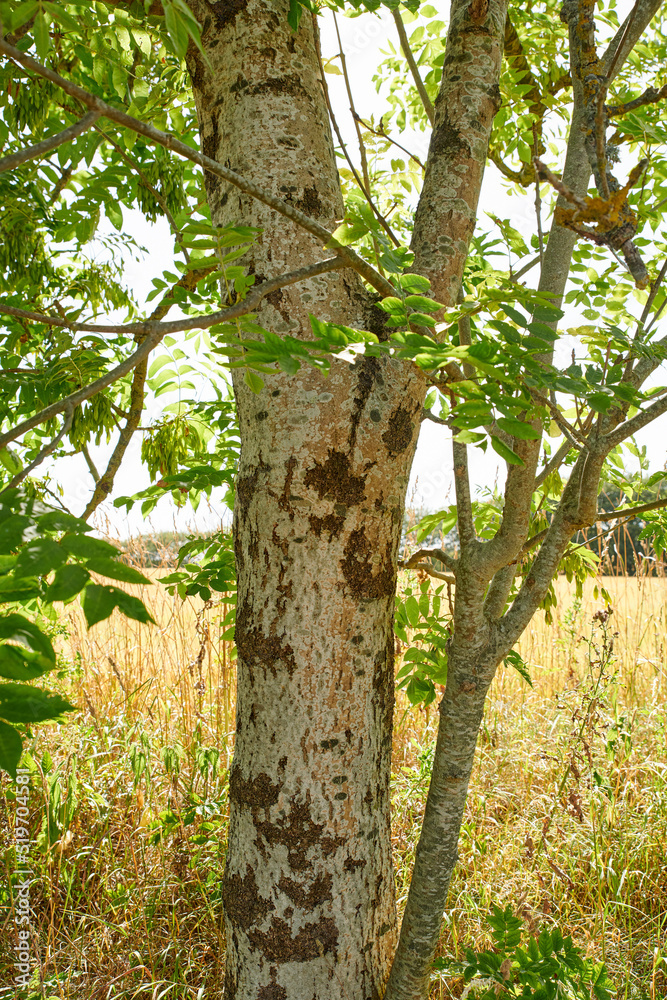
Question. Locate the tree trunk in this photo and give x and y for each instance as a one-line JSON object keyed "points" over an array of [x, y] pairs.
{"points": [[308, 886]]}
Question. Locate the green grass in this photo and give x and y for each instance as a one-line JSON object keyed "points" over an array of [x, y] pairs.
{"points": [[566, 818]]}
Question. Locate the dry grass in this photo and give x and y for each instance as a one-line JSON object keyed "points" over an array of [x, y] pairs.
{"points": [[566, 818]]}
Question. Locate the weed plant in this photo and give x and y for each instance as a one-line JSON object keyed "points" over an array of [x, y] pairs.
{"points": [[566, 821]]}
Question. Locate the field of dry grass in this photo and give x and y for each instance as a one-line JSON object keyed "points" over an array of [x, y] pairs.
{"points": [[566, 818]]}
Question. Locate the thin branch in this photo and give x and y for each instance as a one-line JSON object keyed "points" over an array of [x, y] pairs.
{"points": [[414, 69], [650, 96], [384, 135], [149, 187], [428, 415], [365, 189], [46, 145], [642, 508], [153, 334], [426, 568], [526, 267], [104, 484], [92, 468], [463, 497], [576, 439], [554, 463], [200, 322], [154, 135], [449, 561], [45, 452], [630, 427]]}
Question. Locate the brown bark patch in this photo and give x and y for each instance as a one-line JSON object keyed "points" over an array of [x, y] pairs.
{"points": [[365, 579], [226, 11], [333, 479], [307, 897], [310, 203], [331, 525], [272, 991], [243, 904], [258, 792], [254, 646], [299, 834], [351, 864], [278, 945], [368, 373], [246, 485], [291, 85], [398, 435], [447, 140]]}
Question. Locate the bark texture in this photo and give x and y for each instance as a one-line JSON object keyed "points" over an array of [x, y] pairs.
{"points": [[308, 887]]}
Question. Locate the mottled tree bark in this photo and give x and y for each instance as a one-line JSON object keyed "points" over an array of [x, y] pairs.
{"points": [[308, 887]]}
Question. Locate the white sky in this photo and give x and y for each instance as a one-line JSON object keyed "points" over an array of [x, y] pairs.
{"points": [[432, 482]]}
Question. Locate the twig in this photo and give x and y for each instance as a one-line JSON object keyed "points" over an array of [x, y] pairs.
{"points": [[449, 561], [200, 322], [153, 334], [154, 135], [92, 468], [147, 184], [45, 452], [554, 463], [414, 69], [46, 145], [384, 135], [426, 568], [362, 187], [650, 96]]}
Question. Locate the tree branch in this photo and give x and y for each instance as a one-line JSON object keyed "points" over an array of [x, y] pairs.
{"points": [[444, 557], [200, 322], [364, 187], [46, 145], [630, 427], [45, 452], [153, 333], [650, 96], [154, 135], [554, 463], [426, 568], [414, 69]]}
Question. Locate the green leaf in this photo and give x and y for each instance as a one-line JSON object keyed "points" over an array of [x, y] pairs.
{"points": [[84, 547], [67, 583], [518, 429], [420, 303], [414, 284], [12, 530], [98, 603], [513, 659], [39, 558], [27, 704], [294, 14], [348, 232], [253, 381], [60, 520], [504, 451], [133, 608], [17, 628], [19, 664], [412, 610], [42, 36], [18, 590], [11, 748], [115, 570], [419, 690]]}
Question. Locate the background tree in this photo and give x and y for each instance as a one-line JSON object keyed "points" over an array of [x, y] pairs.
{"points": [[324, 464]]}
